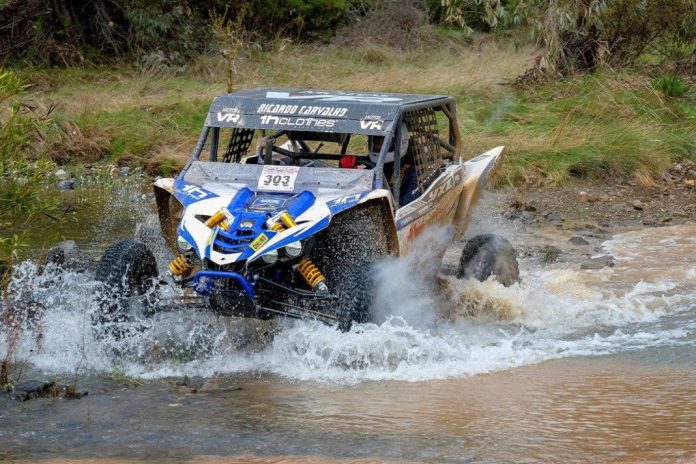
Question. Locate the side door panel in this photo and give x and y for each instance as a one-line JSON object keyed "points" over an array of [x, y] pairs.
{"points": [[437, 205]]}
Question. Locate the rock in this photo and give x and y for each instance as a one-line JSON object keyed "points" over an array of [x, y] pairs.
{"points": [[549, 254], [67, 255], [62, 174], [31, 389], [65, 185], [667, 177], [210, 385], [553, 217], [637, 204], [124, 171], [604, 224], [523, 216], [578, 241], [691, 174], [598, 262]]}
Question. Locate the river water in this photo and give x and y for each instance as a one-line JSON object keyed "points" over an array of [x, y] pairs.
{"points": [[568, 366]]}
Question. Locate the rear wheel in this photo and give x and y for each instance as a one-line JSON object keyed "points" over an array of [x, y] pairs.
{"points": [[486, 255], [346, 253], [127, 270]]}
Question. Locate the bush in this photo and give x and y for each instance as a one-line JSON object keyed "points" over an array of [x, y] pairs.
{"points": [[401, 24], [671, 86]]}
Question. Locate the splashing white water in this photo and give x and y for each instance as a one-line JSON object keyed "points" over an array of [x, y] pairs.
{"points": [[482, 327]]}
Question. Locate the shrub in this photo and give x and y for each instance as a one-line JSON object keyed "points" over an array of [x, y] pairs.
{"points": [[671, 86]]}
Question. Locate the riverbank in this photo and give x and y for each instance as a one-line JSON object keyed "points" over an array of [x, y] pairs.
{"points": [[597, 127]]}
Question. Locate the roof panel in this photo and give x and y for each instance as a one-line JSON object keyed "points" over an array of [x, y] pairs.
{"points": [[308, 109]]}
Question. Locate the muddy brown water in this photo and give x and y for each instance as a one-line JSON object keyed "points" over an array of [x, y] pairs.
{"points": [[570, 366]]}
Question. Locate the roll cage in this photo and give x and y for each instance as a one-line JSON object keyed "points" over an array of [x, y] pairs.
{"points": [[431, 121]]}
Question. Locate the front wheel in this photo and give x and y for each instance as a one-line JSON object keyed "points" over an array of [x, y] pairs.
{"points": [[127, 270], [347, 252]]}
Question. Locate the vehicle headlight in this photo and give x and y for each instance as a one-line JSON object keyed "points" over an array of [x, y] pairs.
{"points": [[270, 257], [182, 245], [294, 249]]}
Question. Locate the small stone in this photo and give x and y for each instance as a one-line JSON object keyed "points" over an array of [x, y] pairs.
{"points": [[62, 174], [604, 224], [553, 217], [31, 389], [210, 385], [667, 177], [124, 171], [598, 262], [578, 241], [637, 204], [65, 185], [549, 253], [691, 174]]}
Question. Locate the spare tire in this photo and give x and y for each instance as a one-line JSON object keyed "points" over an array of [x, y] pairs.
{"points": [[486, 255]]}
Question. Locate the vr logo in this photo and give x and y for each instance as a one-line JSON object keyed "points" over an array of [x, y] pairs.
{"points": [[371, 125], [228, 115]]}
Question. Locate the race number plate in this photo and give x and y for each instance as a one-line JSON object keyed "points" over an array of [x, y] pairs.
{"points": [[278, 178]]}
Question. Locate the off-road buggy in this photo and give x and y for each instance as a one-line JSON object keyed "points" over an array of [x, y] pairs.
{"points": [[290, 197]]}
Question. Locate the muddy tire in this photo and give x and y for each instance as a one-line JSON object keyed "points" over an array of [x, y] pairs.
{"points": [[127, 270], [346, 253], [487, 255]]}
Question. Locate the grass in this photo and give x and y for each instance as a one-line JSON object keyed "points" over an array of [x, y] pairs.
{"points": [[589, 126]]}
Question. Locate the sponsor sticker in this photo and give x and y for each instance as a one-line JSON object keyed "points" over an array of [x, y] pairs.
{"points": [[259, 242], [228, 115], [278, 178]]}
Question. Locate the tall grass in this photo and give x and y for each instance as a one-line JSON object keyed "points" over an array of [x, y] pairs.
{"points": [[606, 124]]}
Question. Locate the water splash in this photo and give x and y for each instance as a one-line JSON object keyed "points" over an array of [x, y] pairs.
{"points": [[462, 328]]}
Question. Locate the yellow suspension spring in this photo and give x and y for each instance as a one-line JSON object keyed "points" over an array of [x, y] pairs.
{"points": [[180, 266], [280, 222], [311, 273], [307, 269], [218, 218]]}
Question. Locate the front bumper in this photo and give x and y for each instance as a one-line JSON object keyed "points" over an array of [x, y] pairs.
{"points": [[265, 296]]}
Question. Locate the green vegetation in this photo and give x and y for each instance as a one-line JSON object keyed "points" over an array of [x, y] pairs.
{"points": [[589, 126], [23, 202]]}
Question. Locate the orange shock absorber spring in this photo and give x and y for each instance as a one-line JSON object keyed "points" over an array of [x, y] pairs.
{"points": [[307, 269], [276, 227], [280, 222], [218, 218], [311, 273], [179, 266]]}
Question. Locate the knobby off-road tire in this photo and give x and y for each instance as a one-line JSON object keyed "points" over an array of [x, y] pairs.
{"points": [[486, 255], [346, 253], [126, 269]]}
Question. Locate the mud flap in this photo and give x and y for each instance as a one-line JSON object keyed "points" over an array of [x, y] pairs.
{"points": [[476, 172]]}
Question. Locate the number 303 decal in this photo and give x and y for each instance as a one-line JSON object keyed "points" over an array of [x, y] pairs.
{"points": [[278, 178]]}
